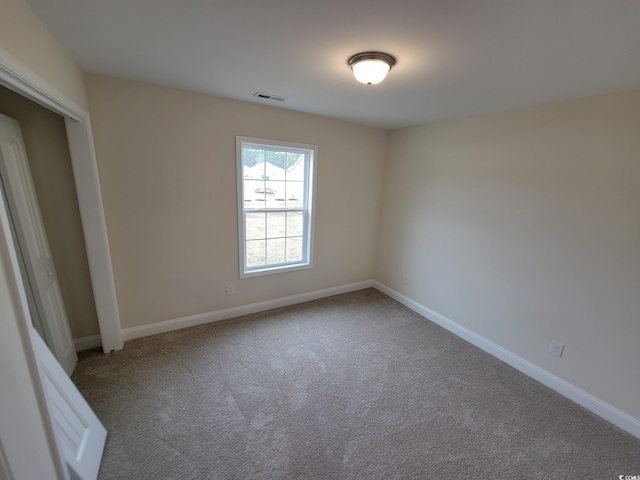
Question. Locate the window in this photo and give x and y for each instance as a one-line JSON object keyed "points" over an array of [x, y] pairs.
{"points": [[275, 205]]}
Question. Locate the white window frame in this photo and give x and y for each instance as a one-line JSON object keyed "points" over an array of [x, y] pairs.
{"points": [[308, 208]]}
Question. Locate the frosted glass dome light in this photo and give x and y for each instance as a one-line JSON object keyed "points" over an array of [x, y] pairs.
{"points": [[371, 67]]}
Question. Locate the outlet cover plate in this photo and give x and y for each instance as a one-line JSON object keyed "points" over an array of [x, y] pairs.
{"points": [[556, 348]]}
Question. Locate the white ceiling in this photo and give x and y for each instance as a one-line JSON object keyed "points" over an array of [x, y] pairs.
{"points": [[456, 58]]}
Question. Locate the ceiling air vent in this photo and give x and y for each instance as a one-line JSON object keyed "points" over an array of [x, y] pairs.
{"points": [[268, 96]]}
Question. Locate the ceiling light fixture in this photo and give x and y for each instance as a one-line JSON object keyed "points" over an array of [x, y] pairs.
{"points": [[371, 67]]}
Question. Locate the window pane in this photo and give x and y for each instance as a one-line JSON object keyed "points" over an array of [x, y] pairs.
{"points": [[271, 193], [255, 250], [295, 194], [296, 169], [251, 157], [276, 224], [254, 193], [277, 159], [251, 161], [294, 223], [255, 224], [277, 197], [293, 158], [275, 251], [294, 249]]}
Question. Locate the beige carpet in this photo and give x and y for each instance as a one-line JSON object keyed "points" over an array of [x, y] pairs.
{"points": [[349, 387]]}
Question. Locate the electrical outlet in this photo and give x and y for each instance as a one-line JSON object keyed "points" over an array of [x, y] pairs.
{"points": [[405, 280], [556, 348], [231, 289]]}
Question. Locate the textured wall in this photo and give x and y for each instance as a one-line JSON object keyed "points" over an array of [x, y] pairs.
{"points": [[525, 227]]}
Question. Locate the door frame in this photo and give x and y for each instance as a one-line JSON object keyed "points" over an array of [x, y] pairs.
{"points": [[17, 77]]}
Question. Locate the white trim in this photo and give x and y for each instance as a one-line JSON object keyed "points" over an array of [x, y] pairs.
{"points": [[608, 412], [17, 77], [216, 316], [87, 343], [94, 227]]}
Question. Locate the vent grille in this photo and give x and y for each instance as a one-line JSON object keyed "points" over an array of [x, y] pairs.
{"points": [[269, 96]]}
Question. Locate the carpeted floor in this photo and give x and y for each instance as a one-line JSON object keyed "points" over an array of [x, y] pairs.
{"points": [[349, 387]]}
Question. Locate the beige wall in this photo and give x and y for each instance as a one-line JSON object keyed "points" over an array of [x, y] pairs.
{"points": [[168, 175], [25, 37], [45, 139], [525, 227]]}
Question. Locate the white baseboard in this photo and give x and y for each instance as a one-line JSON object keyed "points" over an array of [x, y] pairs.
{"points": [[216, 316], [87, 343], [617, 417]]}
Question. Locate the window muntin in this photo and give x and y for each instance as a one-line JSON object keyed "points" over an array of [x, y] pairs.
{"points": [[275, 205]]}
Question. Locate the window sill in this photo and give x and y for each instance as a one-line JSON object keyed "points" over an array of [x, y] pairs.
{"points": [[274, 270]]}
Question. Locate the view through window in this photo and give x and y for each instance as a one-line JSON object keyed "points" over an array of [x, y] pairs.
{"points": [[275, 205]]}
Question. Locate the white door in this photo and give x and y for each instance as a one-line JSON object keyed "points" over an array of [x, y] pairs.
{"points": [[79, 434], [46, 303]]}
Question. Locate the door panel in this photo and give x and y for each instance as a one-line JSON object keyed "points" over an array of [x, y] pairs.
{"points": [[33, 245], [79, 434]]}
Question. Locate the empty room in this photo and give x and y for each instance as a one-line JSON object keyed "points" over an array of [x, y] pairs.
{"points": [[320, 240]]}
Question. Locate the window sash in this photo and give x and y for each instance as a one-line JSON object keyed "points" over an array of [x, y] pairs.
{"points": [[305, 237]]}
